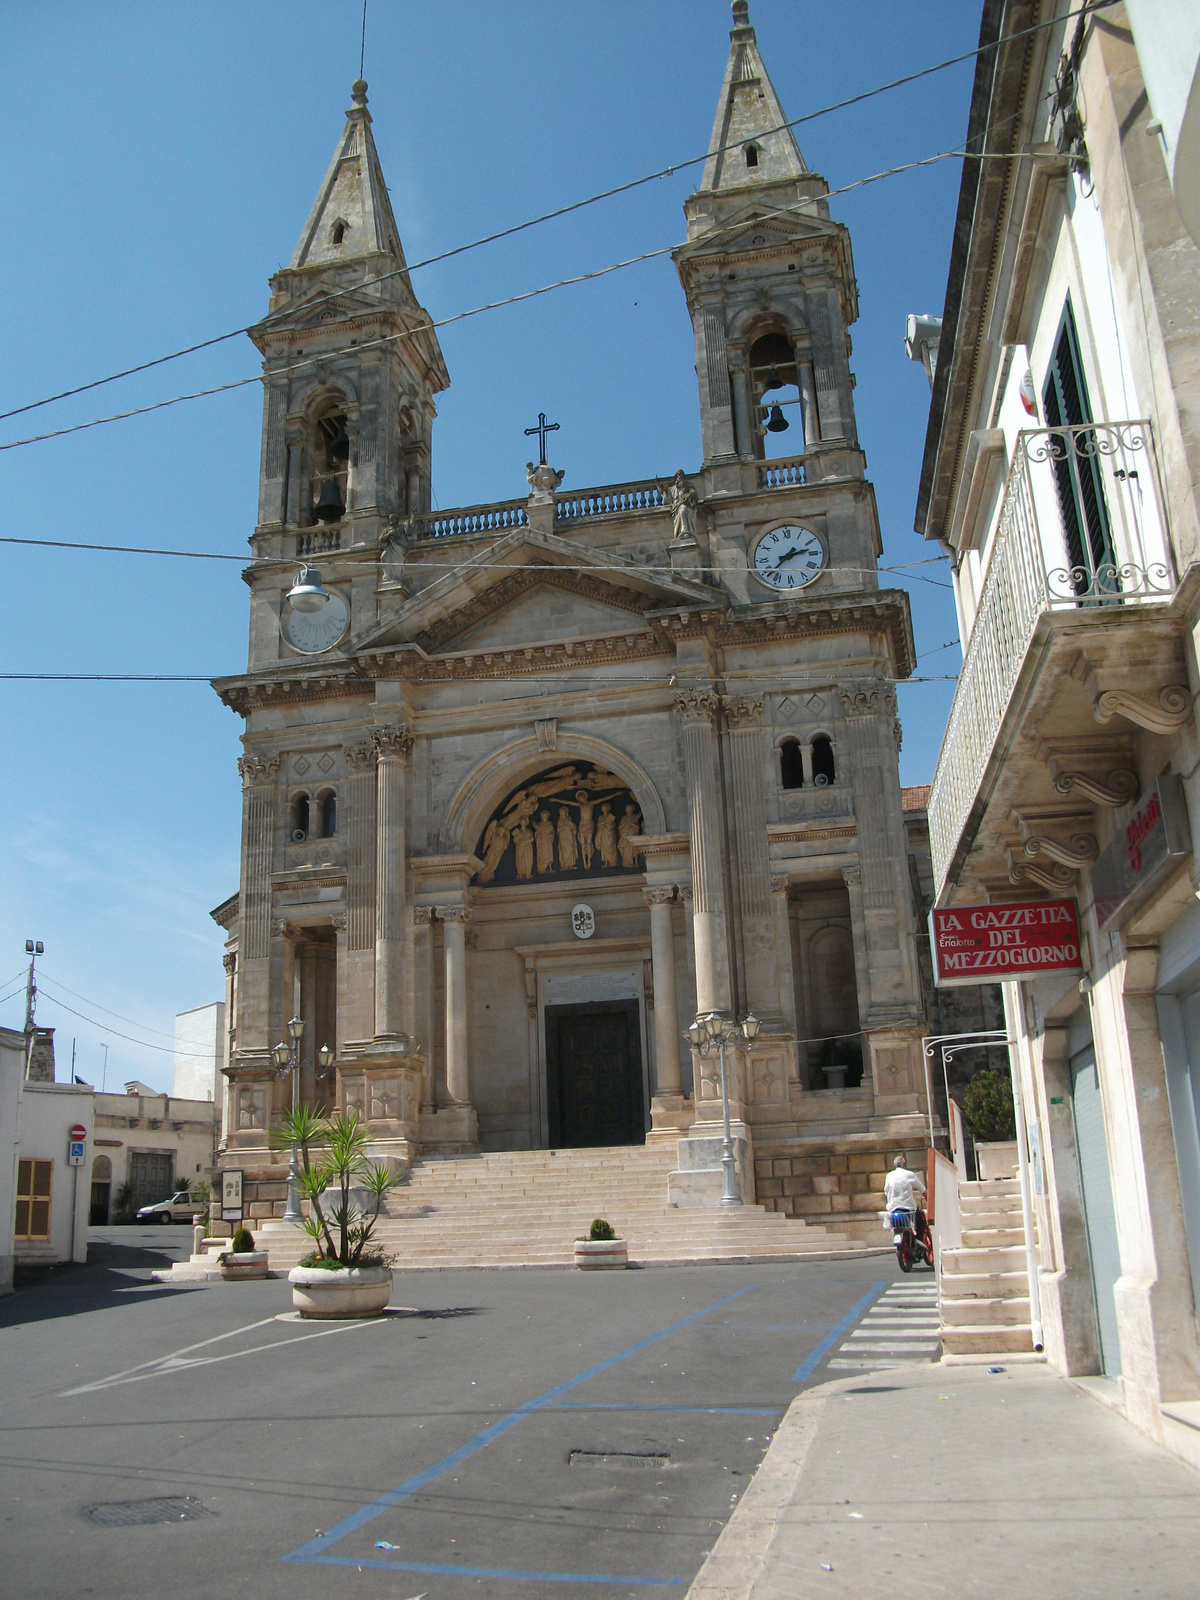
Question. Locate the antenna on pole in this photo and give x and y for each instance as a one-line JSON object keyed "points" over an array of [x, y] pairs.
{"points": [[362, 47]]}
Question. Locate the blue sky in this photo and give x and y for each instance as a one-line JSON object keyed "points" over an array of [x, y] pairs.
{"points": [[160, 162]]}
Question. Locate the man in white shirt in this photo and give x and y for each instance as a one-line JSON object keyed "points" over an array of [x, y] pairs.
{"points": [[903, 1190]]}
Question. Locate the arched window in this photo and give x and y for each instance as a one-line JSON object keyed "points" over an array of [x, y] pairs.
{"points": [[776, 392], [328, 814], [299, 819], [822, 761], [330, 464], [339, 233], [751, 155], [791, 765]]}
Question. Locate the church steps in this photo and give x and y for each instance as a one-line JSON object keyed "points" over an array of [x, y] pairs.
{"points": [[985, 1307], [526, 1208]]}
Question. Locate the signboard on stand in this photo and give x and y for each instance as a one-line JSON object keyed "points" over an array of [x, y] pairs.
{"points": [[231, 1195], [986, 944]]}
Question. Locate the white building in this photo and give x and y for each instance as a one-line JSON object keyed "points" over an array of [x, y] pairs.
{"points": [[12, 1071], [1060, 473], [199, 1052], [50, 1213]]}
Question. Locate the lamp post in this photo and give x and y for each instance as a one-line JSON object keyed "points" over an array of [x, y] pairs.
{"points": [[287, 1059], [710, 1032]]}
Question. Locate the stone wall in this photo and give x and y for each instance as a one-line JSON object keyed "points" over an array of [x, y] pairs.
{"points": [[835, 1183]]}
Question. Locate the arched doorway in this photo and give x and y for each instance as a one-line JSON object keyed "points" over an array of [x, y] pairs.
{"points": [[101, 1192]]}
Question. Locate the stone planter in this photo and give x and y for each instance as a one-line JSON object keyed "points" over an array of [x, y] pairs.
{"points": [[243, 1264], [596, 1255], [997, 1159], [344, 1292]]}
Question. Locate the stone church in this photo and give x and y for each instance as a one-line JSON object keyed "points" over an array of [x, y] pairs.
{"points": [[529, 784]]}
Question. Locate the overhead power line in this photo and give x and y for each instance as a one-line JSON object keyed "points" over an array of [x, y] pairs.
{"points": [[195, 677], [563, 211]]}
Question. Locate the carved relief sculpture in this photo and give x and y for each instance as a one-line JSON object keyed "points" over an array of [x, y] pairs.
{"points": [[590, 827]]}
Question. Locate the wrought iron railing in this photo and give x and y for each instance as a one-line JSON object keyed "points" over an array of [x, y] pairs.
{"points": [[1082, 525]]}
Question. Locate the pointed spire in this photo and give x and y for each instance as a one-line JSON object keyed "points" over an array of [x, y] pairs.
{"points": [[352, 216], [747, 112]]}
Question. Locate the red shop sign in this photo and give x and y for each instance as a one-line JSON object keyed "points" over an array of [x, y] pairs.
{"points": [[983, 944]]}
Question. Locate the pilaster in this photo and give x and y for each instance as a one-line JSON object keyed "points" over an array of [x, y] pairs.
{"points": [[392, 745], [697, 710]]}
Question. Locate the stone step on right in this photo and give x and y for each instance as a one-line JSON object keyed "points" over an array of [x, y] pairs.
{"points": [[986, 1310], [999, 1339], [992, 1238], [976, 1261]]}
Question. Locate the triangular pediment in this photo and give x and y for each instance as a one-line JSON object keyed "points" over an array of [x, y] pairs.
{"points": [[539, 582], [548, 613]]}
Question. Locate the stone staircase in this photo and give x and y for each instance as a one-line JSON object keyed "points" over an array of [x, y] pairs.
{"points": [[527, 1207], [985, 1285]]}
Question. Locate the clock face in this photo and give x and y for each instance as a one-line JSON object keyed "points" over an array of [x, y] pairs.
{"points": [[789, 557], [312, 632]]}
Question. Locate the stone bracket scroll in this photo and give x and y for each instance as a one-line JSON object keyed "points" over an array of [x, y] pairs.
{"points": [[1165, 713]]}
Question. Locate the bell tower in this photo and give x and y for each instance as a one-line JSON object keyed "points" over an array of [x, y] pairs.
{"points": [[769, 281], [351, 366]]}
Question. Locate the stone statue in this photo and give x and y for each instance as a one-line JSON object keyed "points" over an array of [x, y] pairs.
{"points": [[631, 824], [606, 835], [523, 843], [543, 833], [495, 843], [568, 847], [394, 541], [683, 502], [587, 826], [543, 481]]}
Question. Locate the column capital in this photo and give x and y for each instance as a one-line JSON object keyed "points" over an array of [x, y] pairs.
{"points": [[454, 914], [229, 962], [852, 877], [282, 928], [394, 742], [337, 920], [743, 710], [359, 756], [423, 915], [257, 769], [659, 896], [779, 883], [867, 699], [698, 706]]}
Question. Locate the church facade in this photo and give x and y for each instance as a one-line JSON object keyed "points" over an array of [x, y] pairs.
{"points": [[529, 784]]}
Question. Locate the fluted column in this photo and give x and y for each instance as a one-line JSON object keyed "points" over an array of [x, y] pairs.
{"points": [[425, 992], [254, 933], [357, 1020], [458, 1074], [697, 710], [743, 719], [784, 970], [668, 1072], [392, 747]]}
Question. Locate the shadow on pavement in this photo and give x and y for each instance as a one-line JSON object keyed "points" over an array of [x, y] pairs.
{"points": [[115, 1274]]}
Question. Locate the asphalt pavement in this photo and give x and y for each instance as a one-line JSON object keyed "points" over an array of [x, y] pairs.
{"points": [[508, 1433]]}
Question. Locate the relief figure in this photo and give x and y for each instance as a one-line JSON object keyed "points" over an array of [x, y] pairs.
{"points": [[587, 827], [568, 848], [495, 843], [631, 824], [606, 836], [523, 842], [543, 833]]}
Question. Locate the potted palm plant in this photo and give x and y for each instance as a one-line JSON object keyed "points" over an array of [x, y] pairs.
{"points": [[344, 1190]]}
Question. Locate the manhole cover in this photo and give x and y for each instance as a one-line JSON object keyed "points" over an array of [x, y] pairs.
{"points": [[133, 1513], [615, 1458]]}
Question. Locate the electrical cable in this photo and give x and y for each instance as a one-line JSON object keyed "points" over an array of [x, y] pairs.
{"points": [[197, 677], [461, 316], [88, 1001], [562, 211], [128, 1037]]}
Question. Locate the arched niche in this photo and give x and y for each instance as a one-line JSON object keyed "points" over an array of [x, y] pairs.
{"points": [[482, 790]]}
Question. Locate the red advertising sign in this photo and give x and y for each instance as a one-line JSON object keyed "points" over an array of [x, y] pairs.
{"points": [[983, 944]]}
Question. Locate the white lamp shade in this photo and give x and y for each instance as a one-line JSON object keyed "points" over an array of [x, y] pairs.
{"points": [[308, 592]]}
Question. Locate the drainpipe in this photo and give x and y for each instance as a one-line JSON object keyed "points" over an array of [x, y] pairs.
{"points": [[1012, 1015]]}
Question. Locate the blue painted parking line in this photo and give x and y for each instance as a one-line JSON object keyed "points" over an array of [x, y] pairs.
{"points": [[767, 1327], [512, 1573], [808, 1366], [699, 1411], [316, 1549]]}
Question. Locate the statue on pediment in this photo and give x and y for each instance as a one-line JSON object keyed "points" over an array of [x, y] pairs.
{"points": [[681, 498]]}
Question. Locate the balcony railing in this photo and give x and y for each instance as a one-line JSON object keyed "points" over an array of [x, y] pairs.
{"points": [[318, 541], [781, 473], [648, 495], [495, 518], [1082, 526]]}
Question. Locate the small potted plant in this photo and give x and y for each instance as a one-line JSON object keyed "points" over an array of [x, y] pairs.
{"points": [[345, 1190], [242, 1260], [600, 1248], [990, 1115]]}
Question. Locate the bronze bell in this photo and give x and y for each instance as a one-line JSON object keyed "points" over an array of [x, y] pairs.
{"points": [[774, 381], [777, 422], [339, 445], [329, 507]]}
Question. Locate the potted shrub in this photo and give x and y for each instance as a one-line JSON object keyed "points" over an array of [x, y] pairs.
{"points": [[344, 1190], [242, 1260], [600, 1248], [988, 1112]]}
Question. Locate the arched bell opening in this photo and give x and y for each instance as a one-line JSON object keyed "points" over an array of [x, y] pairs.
{"points": [[329, 454], [777, 414]]}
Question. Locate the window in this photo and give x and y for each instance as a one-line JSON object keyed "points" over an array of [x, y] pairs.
{"points": [[339, 232], [791, 765], [822, 761], [751, 155], [328, 814], [33, 1199], [1076, 463], [299, 819]]}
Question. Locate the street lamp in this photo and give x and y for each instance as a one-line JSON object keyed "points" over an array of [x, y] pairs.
{"points": [[714, 1032], [287, 1059]]}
